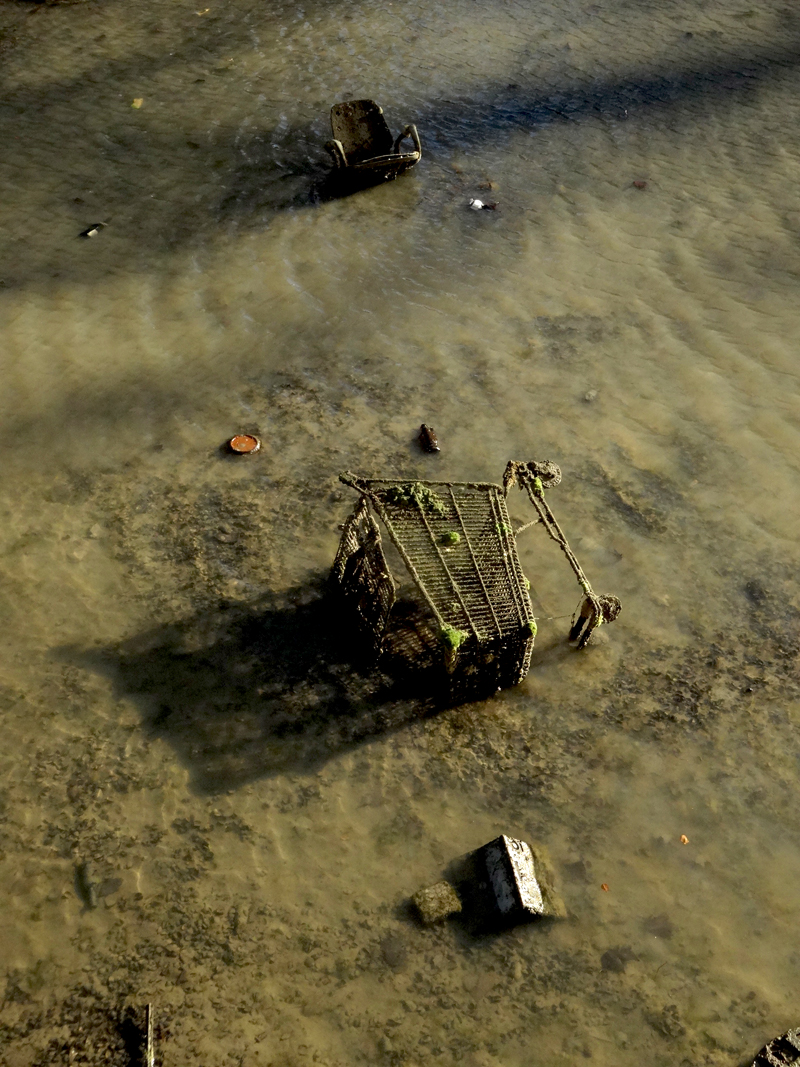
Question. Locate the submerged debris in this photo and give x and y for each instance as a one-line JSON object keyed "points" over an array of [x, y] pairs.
{"points": [[93, 230], [498, 885], [244, 444], [512, 876], [474, 595], [428, 439], [363, 149]]}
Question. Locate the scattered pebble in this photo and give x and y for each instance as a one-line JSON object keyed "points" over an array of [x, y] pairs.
{"points": [[639, 184], [590, 396], [476, 205], [394, 952], [684, 839], [604, 887], [137, 103], [616, 959]]}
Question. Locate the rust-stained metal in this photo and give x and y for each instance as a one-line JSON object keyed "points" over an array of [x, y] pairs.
{"points": [[474, 621]]}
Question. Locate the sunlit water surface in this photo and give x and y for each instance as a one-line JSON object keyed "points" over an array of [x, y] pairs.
{"points": [[254, 827]]}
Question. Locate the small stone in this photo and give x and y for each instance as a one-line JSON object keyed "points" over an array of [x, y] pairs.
{"points": [[394, 952], [590, 396], [95, 531], [476, 205], [616, 959], [437, 902]]}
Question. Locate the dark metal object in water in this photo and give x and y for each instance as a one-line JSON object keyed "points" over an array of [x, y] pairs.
{"points": [[781, 1051], [363, 149], [473, 627], [428, 439]]}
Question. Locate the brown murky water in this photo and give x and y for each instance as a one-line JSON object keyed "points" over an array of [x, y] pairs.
{"points": [[254, 816]]}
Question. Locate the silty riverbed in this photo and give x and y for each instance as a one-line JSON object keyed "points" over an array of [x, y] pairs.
{"points": [[182, 748]]}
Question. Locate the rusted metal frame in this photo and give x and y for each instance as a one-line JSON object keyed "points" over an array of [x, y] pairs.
{"points": [[557, 534], [412, 570], [453, 582], [150, 1041], [512, 576], [526, 526], [366, 574], [475, 563], [554, 530], [363, 484]]}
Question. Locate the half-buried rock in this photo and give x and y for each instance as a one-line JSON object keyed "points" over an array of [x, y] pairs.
{"points": [[437, 902]]}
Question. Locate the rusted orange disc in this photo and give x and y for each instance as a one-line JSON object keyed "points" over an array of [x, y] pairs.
{"points": [[244, 443]]}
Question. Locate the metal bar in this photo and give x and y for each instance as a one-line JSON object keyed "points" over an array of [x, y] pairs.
{"points": [[505, 527], [453, 583], [412, 570], [475, 564], [150, 1041]]}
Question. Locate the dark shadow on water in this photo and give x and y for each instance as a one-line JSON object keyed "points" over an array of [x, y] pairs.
{"points": [[143, 171], [246, 691]]}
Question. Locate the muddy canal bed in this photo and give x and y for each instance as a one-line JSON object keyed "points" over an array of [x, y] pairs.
{"points": [[203, 805]]}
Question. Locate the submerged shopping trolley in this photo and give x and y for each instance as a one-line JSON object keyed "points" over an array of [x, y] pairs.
{"points": [[472, 620]]}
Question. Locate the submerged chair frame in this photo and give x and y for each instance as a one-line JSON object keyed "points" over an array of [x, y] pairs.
{"points": [[362, 147]]}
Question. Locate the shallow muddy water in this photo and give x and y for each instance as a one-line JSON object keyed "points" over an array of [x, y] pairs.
{"points": [[253, 815]]}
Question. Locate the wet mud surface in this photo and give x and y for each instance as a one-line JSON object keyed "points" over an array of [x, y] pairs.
{"points": [[206, 802]]}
